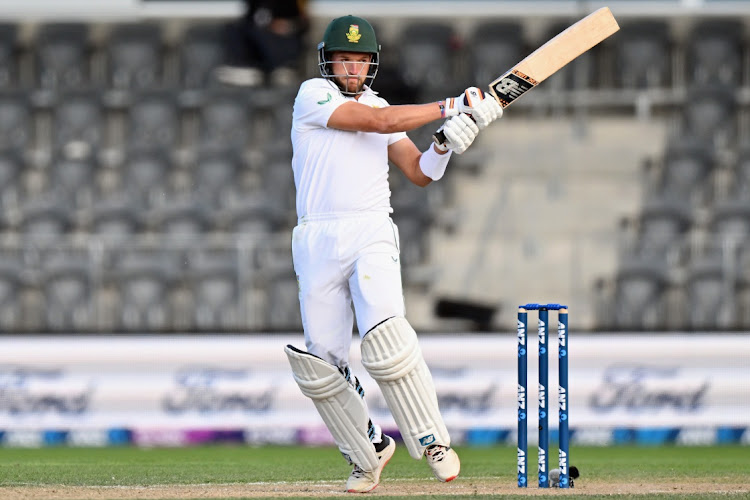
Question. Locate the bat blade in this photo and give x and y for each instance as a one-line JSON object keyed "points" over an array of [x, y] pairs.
{"points": [[555, 54]]}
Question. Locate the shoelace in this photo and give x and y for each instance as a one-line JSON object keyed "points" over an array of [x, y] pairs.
{"points": [[357, 472], [436, 453]]}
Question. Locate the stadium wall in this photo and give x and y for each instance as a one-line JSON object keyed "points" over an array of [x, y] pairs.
{"points": [[59, 10], [187, 390]]}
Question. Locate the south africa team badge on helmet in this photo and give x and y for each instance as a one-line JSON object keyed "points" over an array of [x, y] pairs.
{"points": [[353, 34], [348, 34]]}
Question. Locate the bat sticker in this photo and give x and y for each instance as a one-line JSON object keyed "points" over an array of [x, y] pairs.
{"points": [[511, 86]]}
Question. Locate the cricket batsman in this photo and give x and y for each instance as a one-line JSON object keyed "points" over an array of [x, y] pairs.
{"points": [[346, 249]]}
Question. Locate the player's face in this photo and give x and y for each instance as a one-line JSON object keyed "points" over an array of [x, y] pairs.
{"points": [[350, 69]]}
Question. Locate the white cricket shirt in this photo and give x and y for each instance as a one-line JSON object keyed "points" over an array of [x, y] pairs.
{"points": [[337, 171]]}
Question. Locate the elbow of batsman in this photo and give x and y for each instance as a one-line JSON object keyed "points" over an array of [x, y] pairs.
{"points": [[384, 123], [386, 126]]}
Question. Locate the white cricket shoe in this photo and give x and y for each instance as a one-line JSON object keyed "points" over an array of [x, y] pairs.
{"points": [[361, 481], [443, 461]]}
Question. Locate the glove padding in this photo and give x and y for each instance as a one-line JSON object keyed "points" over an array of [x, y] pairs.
{"points": [[460, 131], [464, 103], [486, 111], [475, 103]]}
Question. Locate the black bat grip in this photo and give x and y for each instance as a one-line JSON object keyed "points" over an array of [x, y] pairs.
{"points": [[439, 137]]}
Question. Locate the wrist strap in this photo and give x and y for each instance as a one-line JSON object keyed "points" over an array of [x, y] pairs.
{"points": [[448, 107], [432, 164]]}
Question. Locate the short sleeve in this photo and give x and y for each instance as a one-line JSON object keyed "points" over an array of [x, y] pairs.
{"points": [[395, 137], [315, 103]]}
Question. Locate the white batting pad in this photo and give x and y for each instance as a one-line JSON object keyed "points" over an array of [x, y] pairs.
{"points": [[392, 356], [340, 406]]}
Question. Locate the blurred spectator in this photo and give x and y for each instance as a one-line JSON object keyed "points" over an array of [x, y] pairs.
{"points": [[265, 42]]}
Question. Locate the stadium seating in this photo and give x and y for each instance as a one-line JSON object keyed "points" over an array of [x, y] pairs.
{"points": [[428, 59], [494, 47], [643, 55], [135, 57], [8, 55], [63, 56], [714, 52], [200, 52], [16, 120], [214, 281], [173, 196]]}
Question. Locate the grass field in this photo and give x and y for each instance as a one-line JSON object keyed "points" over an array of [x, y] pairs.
{"points": [[245, 472]]}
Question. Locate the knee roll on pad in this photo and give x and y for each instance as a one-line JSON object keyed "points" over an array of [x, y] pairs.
{"points": [[391, 355], [339, 404]]}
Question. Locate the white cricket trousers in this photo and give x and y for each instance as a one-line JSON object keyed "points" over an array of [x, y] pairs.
{"points": [[345, 260]]}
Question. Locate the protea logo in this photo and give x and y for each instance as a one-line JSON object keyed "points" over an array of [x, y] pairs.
{"points": [[353, 35]]}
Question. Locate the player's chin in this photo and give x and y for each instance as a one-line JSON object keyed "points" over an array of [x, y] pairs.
{"points": [[353, 84]]}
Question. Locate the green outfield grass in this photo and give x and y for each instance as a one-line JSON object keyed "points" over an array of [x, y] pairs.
{"points": [[133, 467]]}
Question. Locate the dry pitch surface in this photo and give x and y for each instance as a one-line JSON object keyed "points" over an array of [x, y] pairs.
{"points": [[394, 487]]}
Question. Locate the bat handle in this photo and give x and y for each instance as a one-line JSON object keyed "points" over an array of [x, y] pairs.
{"points": [[439, 138]]}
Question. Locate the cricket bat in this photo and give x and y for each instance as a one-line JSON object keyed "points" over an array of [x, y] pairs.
{"points": [[550, 58]]}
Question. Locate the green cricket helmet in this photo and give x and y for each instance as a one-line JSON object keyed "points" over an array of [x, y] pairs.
{"points": [[349, 34]]}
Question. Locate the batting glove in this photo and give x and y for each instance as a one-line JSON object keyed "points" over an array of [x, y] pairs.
{"points": [[475, 103], [486, 111], [460, 131], [464, 103]]}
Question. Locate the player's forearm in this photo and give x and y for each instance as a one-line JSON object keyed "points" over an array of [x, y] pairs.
{"points": [[405, 117]]}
